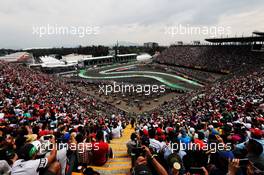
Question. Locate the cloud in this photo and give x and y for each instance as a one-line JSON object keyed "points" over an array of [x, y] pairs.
{"points": [[125, 20]]}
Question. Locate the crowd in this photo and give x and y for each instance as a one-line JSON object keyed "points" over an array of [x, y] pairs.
{"points": [[49, 127], [213, 58], [220, 131]]}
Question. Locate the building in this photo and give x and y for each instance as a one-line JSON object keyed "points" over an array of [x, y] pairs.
{"points": [[102, 60], [151, 44], [105, 60], [49, 64], [124, 58], [19, 57]]}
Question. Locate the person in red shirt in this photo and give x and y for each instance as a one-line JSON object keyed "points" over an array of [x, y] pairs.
{"points": [[44, 131], [199, 141], [101, 150]]}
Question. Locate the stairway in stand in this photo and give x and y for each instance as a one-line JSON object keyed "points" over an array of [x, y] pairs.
{"points": [[121, 163]]}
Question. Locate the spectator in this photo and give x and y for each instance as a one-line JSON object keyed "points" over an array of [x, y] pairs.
{"points": [[28, 164], [101, 150]]}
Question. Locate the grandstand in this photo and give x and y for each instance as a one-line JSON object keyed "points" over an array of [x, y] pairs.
{"points": [[226, 108], [128, 87], [106, 60], [225, 55], [18, 57], [236, 40], [50, 64]]}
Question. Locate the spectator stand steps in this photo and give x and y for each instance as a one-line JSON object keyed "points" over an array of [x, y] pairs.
{"points": [[121, 163]]}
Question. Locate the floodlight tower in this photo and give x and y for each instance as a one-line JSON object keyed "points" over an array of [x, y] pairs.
{"points": [[116, 52]]}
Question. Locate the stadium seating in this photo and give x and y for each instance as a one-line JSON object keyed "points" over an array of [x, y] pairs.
{"points": [[214, 58]]}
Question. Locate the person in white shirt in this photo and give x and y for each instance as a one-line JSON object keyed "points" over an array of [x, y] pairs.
{"points": [[116, 131], [153, 143], [27, 164]]}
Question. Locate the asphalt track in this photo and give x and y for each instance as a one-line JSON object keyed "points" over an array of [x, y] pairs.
{"points": [[111, 72]]}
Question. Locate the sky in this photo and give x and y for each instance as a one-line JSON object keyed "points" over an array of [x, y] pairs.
{"points": [[69, 23]]}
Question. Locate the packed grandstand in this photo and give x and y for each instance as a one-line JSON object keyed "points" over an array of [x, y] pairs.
{"points": [[50, 125]]}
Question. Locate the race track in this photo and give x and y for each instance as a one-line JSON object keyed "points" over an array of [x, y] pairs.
{"points": [[112, 72]]}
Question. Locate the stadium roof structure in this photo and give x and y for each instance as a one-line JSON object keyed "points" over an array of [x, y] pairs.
{"points": [[108, 56], [249, 39], [49, 60], [126, 55], [74, 58], [97, 58], [144, 56], [57, 65], [258, 33]]}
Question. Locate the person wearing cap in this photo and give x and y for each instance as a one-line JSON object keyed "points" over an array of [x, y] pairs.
{"points": [[160, 136], [184, 138], [27, 164], [153, 143]]}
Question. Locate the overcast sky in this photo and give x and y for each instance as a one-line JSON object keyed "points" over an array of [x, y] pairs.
{"points": [[135, 21]]}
